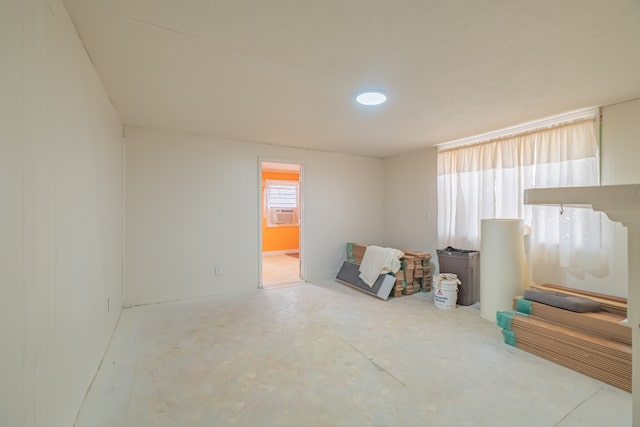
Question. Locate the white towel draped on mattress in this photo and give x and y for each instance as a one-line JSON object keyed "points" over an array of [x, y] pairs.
{"points": [[377, 260]]}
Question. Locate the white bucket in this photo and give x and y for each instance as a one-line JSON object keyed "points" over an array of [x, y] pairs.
{"points": [[445, 294]]}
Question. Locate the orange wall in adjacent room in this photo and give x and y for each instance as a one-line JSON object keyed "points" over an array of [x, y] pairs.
{"points": [[279, 238]]}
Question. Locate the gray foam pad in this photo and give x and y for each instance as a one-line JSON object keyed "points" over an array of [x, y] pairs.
{"points": [[349, 273], [560, 300]]}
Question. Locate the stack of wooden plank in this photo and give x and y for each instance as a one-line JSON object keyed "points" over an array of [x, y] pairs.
{"points": [[414, 276], [408, 267], [398, 287], [610, 304], [602, 323], [595, 344], [422, 277]]}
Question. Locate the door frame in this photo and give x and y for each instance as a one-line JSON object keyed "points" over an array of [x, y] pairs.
{"points": [[301, 258]]}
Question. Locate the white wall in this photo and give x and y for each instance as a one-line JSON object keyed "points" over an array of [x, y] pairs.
{"points": [[410, 202], [620, 154], [192, 202], [621, 143], [620, 150], [62, 216]]}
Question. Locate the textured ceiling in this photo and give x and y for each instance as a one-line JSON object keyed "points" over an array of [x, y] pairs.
{"points": [[286, 72]]}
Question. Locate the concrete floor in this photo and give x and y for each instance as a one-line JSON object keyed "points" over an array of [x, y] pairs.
{"points": [[329, 355]]}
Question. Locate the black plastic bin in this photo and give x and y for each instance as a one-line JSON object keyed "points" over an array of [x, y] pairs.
{"points": [[466, 265]]}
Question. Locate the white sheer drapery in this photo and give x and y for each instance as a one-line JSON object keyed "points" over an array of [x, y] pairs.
{"points": [[488, 179]]}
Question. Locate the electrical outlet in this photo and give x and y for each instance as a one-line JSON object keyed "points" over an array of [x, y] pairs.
{"points": [[341, 254], [218, 270], [108, 305]]}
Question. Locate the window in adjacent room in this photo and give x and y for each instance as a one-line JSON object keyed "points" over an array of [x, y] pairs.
{"points": [[281, 200]]}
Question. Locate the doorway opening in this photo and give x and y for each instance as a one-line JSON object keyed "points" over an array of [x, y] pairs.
{"points": [[281, 218]]}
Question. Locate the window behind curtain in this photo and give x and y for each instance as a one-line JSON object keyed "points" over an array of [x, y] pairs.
{"points": [[488, 179], [281, 203]]}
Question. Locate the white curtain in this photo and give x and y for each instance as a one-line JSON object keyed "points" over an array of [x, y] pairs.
{"points": [[487, 180]]}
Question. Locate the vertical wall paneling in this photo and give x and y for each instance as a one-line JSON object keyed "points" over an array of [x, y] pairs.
{"points": [[410, 201], [61, 223], [11, 215], [38, 39]]}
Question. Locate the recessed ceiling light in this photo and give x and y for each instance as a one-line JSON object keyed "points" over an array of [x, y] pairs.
{"points": [[371, 98]]}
